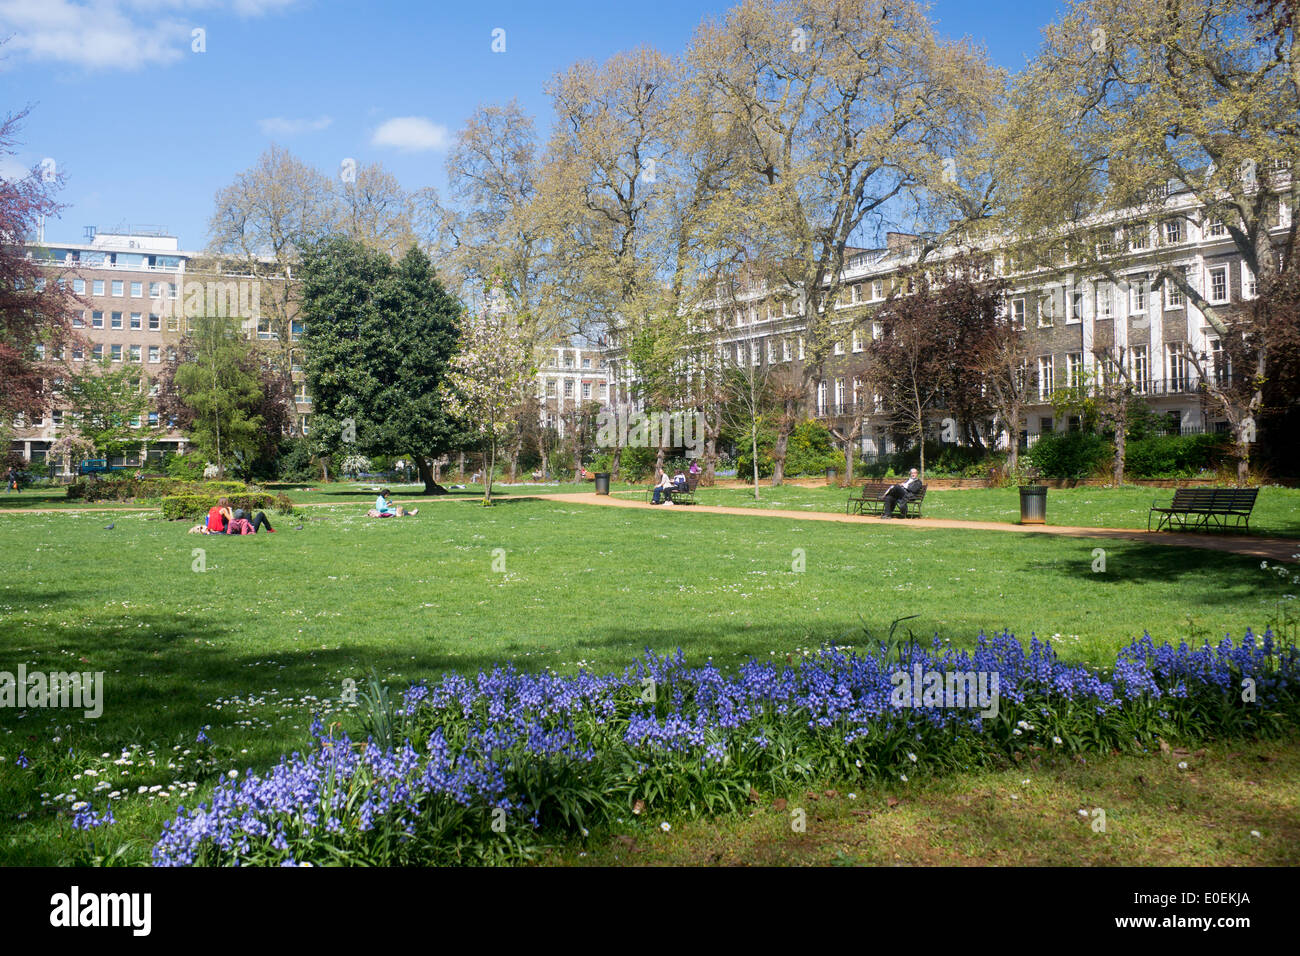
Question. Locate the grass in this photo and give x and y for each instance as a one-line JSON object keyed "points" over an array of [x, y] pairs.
{"points": [[1154, 815], [273, 625], [1276, 513]]}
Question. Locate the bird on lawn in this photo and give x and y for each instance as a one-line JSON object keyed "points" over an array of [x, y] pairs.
{"points": [[109, 526], [299, 528]]}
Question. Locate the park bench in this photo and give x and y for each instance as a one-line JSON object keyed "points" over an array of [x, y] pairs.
{"points": [[686, 497], [1203, 509], [870, 499]]}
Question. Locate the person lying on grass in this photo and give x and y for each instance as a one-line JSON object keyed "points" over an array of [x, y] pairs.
{"points": [[237, 523], [384, 508]]}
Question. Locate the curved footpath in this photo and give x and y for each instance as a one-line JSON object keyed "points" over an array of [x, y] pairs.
{"points": [[1272, 549]]}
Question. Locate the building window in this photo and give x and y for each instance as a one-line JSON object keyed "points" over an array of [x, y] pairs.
{"points": [[97, 352], [586, 390], [155, 322], [1074, 369], [568, 388], [137, 290], [115, 351], [56, 417], [771, 351], [1177, 365], [821, 398], [857, 341], [1045, 377], [136, 320], [1173, 295], [153, 419], [1138, 296], [1173, 232], [118, 287], [116, 320], [78, 355], [1137, 236], [785, 350], [801, 348], [154, 355], [79, 320], [1220, 364], [1045, 306], [753, 353], [877, 289], [1219, 284], [79, 286], [586, 363], [1105, 308], [135, 353], [1076, 307], [839, 346], [155, 290], [1249, 284], [1018, 313], [1215, 228], [97, 286], [604, 390], [1140, 368]]}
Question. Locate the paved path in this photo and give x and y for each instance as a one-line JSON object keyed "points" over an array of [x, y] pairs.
{"points": [[1273, 549]]}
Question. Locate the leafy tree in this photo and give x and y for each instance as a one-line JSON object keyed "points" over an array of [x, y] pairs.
{"points": [[107, 405], [215, 392], [379, 337], [34, 309], [490, 379]]}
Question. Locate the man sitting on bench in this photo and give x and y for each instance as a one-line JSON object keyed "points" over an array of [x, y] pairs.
{"points": [[899, 495]]}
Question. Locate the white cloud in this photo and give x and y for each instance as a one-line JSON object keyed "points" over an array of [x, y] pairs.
{"points": [[279, 126], [411, 134], [113, 34], [12, 170]]}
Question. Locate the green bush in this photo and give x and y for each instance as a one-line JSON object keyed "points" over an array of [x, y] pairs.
{"points": [[1174, 456], [187, 467], [175, 507], [133, 489], [1076, 454]]}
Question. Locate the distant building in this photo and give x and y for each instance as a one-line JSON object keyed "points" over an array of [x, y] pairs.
{"points": [[138, 287]]}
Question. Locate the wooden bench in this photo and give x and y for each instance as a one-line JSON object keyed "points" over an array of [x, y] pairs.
{"points": [[1203, 509], [870, 499], [686, 497]]}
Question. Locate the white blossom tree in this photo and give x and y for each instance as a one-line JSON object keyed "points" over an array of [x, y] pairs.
{"points": [[489, 379]]}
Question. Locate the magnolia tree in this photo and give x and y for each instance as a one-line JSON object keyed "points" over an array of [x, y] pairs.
{"points": [[488, 380]]}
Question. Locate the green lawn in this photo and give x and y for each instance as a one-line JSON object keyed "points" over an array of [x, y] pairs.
{"points": [[274, 624], [1277, 510]]}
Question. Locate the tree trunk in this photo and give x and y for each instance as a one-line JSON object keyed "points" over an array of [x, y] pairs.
{"points": [[424, 468], [753, 447], [848, 463], [710, 462], [659, 464], [460, 469], [616, 463], [489, 466]]}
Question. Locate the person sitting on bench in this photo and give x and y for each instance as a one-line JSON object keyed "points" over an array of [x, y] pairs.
{"points": [[899, 495], [667, 486]]}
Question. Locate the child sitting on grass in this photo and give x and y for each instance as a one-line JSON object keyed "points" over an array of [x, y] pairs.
{"points": [[384, 508]]}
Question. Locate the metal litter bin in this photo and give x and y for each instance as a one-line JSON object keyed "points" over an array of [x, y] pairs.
{"points": [[1033, 504], [602, 482]]}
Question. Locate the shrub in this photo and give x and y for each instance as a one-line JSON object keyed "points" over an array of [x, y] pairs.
{"points": [[1076, 454], [175, 507], [1174, 456], [134, 488], [187, 467]]}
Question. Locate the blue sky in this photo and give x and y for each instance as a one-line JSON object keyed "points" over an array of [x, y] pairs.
{"points": [[146, 130]]}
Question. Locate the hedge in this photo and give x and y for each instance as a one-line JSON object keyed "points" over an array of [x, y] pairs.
{"points": [[1174, 456], [175, 507], [129, 489]]}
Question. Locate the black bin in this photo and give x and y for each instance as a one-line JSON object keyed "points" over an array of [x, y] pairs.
{"points": [[602, 482]]}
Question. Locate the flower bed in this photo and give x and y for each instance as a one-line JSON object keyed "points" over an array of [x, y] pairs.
{"points": [[484, 769]]}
